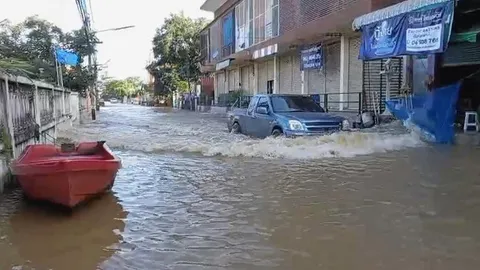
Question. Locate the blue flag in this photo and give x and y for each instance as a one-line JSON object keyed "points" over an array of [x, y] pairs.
{"points": [[65, 57]]}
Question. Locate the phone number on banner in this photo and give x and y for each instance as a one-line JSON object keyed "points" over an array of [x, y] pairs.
{"points": [[424, 39]]}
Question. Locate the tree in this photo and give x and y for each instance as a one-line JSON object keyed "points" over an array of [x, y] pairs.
{"points": [[176, 46], [119, 88], [26, 49]]}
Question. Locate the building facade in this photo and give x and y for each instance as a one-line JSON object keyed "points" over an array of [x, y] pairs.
{"points": [[255, 46]]}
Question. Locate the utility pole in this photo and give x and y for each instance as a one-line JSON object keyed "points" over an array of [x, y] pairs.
{"points": [[92, 67], [93, 89]]}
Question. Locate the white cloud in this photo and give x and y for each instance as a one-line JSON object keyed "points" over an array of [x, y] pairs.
{"points": [[128, 50]]}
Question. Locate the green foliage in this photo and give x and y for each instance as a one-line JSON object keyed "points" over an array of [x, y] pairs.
{"points": [[176, 46], [26, 49], [129, 87]]}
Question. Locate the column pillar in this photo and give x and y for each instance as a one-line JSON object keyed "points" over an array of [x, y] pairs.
{"points": [[255, 78], [9, 112], [215, 89], [36, 107], [55, 116], [237, 79], [276, 75], [302, 77], [227, 80], [344, 63]]}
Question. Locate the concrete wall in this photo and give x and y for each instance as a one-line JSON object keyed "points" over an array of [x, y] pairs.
{"points": [[25, 105], [3, 173]]}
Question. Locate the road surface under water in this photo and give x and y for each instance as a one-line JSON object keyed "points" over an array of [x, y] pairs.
{"points": [[192, 196]]}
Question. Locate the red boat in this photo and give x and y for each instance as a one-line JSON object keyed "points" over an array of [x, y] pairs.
{"points": [[66, 176]]}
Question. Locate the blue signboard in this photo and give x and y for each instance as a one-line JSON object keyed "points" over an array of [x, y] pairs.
{"points": [[418, 32], [311, 58]]}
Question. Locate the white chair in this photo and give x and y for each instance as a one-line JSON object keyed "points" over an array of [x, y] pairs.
{"points": [[471, 120]]}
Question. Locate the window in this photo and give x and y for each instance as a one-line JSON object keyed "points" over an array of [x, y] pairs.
{"points": [[295, 104], [263, 20], [215, 40], [241, 26], [259, 12], [251, 32], [268, 19], [275, 19], [263, 102], [251, 106]]}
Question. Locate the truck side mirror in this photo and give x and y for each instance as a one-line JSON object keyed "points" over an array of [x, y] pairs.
{"points": [[262, 110]]}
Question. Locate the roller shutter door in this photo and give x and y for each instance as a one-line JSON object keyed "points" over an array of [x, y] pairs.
{"points": [[262, 78], [462, 54], [333, 75], [221, 83], [315, 81], [245, 80], [285, 79], [374, 84], [232, 80], [270, 70], [355, 75], [296, 75]]}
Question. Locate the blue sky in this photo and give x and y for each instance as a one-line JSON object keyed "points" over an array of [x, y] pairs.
{"points": [[127, 51]]}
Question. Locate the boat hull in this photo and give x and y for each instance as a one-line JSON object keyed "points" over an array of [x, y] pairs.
{"points": [[67, 180], [68, 188]]}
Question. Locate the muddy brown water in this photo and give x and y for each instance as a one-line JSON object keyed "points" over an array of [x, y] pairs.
{"points": [[192, 196]]}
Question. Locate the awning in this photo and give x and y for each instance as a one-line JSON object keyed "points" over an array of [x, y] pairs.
{"points": [[392, 11]]}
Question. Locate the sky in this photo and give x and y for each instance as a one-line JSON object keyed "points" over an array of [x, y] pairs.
{"points": [[126, 52]]}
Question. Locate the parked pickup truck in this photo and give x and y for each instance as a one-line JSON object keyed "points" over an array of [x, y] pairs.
{"points": [[289, 115]]}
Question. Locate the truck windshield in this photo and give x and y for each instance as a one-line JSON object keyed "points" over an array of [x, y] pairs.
{"points": [[295, 104]]}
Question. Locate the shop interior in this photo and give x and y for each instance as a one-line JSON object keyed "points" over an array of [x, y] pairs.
{"points": [[461, 61]]}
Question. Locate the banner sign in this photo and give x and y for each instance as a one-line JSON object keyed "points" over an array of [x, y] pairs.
{"points": [[311, 58], [423, 31]]}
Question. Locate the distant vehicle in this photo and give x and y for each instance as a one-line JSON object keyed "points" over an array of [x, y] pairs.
{"points": [[101, 102], [113, 100], [135, 101], [288, 115]]}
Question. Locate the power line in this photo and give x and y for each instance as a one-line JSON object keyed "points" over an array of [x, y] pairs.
{"points": [[91, 10]]}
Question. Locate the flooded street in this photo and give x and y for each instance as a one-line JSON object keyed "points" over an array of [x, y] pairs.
{"points": [[192, 196]]}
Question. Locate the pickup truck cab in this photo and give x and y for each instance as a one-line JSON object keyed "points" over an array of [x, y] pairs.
{"points": [[289, 115]]}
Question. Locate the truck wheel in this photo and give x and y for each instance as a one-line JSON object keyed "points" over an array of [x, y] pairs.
{"points": [[277, 132], [236, 128]]}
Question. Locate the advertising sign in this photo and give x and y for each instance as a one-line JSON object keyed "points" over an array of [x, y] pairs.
{"points": [[311, 58], [423, 31]]}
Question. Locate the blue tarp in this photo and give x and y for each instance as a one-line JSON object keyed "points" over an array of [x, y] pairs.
{"points": [[66, 57], [432, 112], [423, 31], [228, 29]]}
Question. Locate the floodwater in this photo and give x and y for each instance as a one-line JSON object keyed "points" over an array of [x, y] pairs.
{"points": [[192, 196]]}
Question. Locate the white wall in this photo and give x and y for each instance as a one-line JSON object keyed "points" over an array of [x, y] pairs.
{"points": [[75, 108]]}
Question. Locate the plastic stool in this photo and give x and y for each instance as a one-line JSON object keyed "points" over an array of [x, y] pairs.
{"points": [[468, 123]]}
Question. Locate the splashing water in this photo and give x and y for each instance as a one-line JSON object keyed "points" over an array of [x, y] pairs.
{"points": [[149, 130]]}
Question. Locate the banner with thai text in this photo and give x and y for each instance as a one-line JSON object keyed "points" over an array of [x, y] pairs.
{"points": [[423, 31], [311, 58]]}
